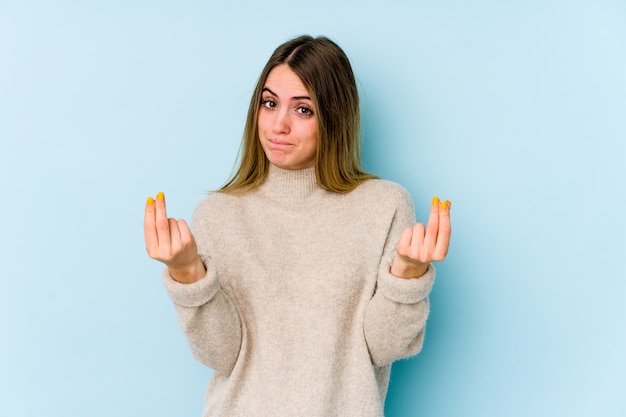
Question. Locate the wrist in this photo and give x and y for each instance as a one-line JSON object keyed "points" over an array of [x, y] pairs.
{"points": [[188, 274], [407, 270]]}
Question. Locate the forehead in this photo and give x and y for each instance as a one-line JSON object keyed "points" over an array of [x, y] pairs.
{"points": [[283, 81]]}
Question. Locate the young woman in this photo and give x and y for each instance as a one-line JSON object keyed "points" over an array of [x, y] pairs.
{"points": [[305, 277]]}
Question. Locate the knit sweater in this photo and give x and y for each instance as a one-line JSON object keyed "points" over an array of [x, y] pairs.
{"points": [[298, 313]]}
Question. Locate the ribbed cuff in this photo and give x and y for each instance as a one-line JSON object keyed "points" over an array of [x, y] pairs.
{"points": [[194, 294], [401, 290]]}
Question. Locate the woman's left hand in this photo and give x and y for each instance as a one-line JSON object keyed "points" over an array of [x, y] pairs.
{"points": [[421, 245]]}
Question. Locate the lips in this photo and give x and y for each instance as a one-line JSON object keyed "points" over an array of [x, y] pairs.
{"points": [[277, 142]]}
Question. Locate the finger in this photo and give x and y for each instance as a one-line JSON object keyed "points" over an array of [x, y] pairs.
{"points": [[445, 231], [430, 240], [185, 233], [404, 244], [417, 242], [149, 228], [162, 224], [175, 241]]}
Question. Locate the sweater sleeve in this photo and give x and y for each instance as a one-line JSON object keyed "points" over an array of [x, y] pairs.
{"points": [[206, 314], [396, 315]]}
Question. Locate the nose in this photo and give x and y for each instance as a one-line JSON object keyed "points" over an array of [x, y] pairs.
{"points": [[282, 123]]}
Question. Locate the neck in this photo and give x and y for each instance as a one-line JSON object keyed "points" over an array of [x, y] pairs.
{"points": [[289, 183]]}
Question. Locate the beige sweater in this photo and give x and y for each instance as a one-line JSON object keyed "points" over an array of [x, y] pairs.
{"points": [[298, 314]]}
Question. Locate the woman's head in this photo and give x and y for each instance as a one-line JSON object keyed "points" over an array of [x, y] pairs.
{"points": [[287, 121], [325, 72]]}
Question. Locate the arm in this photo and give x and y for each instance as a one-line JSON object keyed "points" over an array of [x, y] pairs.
{"points": [[396, 316], [205, 313]]}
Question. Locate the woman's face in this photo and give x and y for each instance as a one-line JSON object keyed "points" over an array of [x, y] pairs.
{"points": [[287, 121]]}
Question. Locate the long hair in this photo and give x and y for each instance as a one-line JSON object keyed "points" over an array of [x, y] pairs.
{"points": [[325, 71]]}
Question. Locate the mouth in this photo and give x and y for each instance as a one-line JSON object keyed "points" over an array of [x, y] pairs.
{"points": [[277, 142]]}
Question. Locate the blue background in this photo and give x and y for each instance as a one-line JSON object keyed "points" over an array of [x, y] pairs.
{"points": [[516, 111]]}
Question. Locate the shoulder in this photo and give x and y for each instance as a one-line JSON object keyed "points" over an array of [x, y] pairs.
{"points": [[381, 198], [213, 199], [213, 204], [384, 191], [385, 202]]}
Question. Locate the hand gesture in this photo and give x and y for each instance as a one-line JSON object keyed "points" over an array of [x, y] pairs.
{"points": [[419, 246], [171, 242]]}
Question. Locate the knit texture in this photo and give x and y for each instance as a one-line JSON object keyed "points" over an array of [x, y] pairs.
{"points": [[298, 313]]}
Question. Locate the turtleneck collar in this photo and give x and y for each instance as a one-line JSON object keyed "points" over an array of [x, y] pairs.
{"points": [[289, 183]]}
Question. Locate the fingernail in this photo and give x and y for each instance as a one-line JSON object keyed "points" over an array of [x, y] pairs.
{"points": [[449, 203], [160, 196], [150, 201], [435, 200]]}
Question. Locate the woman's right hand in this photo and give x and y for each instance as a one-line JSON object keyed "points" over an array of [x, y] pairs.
{"points": [[171, 242]]}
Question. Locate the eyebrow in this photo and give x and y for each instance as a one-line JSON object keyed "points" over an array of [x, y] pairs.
{"points": [[293, 98]]}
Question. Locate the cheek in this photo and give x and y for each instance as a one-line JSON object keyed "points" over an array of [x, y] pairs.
{"points": [[311, 135], [261, 122]]}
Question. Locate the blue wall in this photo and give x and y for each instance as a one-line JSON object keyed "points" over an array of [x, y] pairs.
{"points": [[516, 111]]}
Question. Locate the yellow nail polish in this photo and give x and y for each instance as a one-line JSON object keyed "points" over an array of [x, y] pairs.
{"points": [[150, 201], [443, 205], [160, 196], [449, 203], [436, 200]]}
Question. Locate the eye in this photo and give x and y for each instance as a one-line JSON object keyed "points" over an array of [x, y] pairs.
{"points": [[304, 111], [268, 103]]}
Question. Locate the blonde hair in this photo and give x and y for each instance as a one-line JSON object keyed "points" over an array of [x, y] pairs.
{"points": [[327, 74]]}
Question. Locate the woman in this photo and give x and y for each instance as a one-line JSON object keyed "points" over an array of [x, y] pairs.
{"points": [[304, 277]]}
